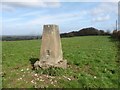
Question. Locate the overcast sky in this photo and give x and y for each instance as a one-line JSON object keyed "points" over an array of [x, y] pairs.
{"points": [[27, 17]]}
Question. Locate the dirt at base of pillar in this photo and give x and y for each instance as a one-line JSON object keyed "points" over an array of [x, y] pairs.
{"points": [[45, 65]]}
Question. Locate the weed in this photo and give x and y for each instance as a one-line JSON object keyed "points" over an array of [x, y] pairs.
{"points": [[52, 71]]}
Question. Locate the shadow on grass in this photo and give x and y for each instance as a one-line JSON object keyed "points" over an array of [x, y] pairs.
{"points": [[32, 61]]}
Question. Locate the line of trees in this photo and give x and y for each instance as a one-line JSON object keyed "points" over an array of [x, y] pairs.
{"points": [[15, 38]]}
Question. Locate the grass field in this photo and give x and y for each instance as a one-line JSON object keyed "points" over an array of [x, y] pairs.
{"points": [[92, 62]]}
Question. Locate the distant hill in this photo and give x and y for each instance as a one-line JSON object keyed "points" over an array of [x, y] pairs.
{"points": [[85, 32]]}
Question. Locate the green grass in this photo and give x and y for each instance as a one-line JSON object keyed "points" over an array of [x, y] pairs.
{"points": [[92, 62]]}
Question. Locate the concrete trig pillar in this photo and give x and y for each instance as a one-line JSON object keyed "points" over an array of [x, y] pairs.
{"points": [[51, 50]]}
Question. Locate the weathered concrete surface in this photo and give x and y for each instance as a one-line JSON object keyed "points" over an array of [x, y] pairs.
{"points": [[51, 50]]}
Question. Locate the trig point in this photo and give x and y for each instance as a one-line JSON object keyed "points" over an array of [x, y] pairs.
{"points": [[51, 50]]}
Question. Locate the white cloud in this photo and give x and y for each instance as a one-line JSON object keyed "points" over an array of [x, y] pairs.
{"points": [[12, 4], [46, 19], [57, 18], [29, 0], [11, 19], [104, 12], [7, 8], [0, 27], [23, 21], [33, 13], [101, 18], [109, 0], [31, 3], [119, 9], [105, 8], [35, 24], [89, 0]]}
